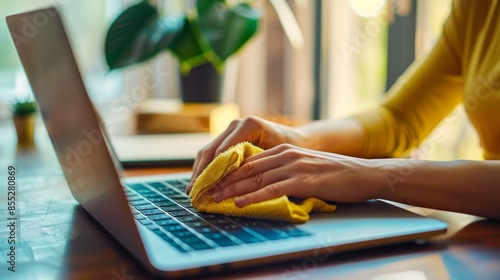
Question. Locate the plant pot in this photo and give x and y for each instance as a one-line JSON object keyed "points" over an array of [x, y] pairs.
{"points": [[25, 128], [202, 85]]}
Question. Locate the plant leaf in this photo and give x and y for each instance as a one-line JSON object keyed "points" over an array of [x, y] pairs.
{"points": [[22, 108], [185, 47], [224, 30], [139, 34]]}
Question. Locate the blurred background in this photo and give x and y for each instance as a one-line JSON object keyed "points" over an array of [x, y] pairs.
{"points": [[311, 59]]}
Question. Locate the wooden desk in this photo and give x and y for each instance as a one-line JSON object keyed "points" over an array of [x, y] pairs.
{"points": [[60, 240]]}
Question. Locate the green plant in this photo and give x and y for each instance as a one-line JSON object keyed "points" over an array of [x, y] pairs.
{"points": [[209, 32], [25, 107]]}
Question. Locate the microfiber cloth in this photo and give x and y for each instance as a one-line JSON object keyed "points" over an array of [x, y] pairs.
{"points": [[281, 208]]}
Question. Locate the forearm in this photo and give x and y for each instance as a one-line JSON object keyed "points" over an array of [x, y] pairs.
{"points": [[471, 187], [335, 136]]}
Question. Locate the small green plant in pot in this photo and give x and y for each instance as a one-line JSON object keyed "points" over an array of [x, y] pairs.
{"points": [[24, 121], [202, 40]]}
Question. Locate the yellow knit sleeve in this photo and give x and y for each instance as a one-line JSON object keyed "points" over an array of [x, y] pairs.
{"points": [[428, 91]]}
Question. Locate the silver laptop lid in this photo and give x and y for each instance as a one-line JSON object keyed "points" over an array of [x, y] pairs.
{"points": [[73, 127]]}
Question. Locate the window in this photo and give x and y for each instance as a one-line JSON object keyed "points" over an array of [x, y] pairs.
{"points": [[356, 55], [86, 23]]}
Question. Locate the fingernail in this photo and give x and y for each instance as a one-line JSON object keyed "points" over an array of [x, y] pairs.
{"points": [[218, 196], [240, 201]]}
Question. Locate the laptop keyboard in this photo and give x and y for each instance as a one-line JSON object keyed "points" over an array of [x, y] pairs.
{"points": [[165, 209]]}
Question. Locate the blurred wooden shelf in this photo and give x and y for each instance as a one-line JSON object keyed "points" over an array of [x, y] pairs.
{"points": [[173, 116]]}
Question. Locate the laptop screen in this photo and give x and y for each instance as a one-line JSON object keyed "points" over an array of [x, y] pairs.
{"points": [[81, 147]]}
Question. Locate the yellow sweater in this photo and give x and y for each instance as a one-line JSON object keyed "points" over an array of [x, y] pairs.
{"points": [[464, 66]]}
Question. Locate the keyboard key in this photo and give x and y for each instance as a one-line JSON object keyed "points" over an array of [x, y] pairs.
{"points": [[153, 195], [182, 234], [270, 233], [245, 236], [139, 216], [200, 246], [214, 235], [250, 223], [172, 208], [168, 222], [179, 248], [224, 242], [191, 239], [145, 192], [277, 224], [152, 212], [172, 228], [178, 196], [195, 224], [165, 203], [177, 183], [180, 213], [158, 232], [295, 232], [159, 217], [145, 222], [204, 230], [192, 218], [192, 209], [157, 199], [182, 200], [156, 185], [176, 246], [146, 207], [168, 192], [218, 221], [134, 198], [220, 239], [228, 227], [263, 230], [151, 226], [186, 203], [139, 202], [210, 217], [137, 186]]}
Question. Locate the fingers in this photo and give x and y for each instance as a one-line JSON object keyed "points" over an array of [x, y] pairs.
{"points": [[281, 170], [249, 178], [247, 185], [271, 191], [266, 171], [208, 153], [260, 187], [249, 129]]}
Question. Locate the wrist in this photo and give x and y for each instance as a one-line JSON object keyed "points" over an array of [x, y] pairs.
{"points": [[390, 174], [393, 174], [301, 138]]}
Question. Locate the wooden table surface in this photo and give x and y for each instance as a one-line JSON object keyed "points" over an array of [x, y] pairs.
{"points": [[57, 239]]}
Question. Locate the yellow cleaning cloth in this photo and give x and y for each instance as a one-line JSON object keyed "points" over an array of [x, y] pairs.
{"points": [[280, 208]]}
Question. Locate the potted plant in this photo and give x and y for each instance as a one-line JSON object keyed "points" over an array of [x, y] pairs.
{"points": [[202, 40], [24, 121]]}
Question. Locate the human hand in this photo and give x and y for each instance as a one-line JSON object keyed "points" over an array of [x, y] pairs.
{"points": [[259, 132], [298, 172]]}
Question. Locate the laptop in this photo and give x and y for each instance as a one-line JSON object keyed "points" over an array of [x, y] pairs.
{"points": [[151, 216]]}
